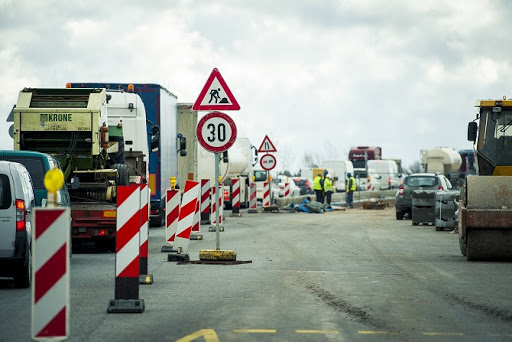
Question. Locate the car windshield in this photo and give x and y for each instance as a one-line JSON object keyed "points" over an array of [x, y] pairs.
{"points": [[417, 181], [34, 166]]}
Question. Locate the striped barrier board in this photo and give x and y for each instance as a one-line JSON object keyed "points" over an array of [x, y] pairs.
{"points": [[215, 207], [252, 199], [127, 252], [205, 201], [235, 204], [172, 213], [185, 221], [144, 277], [196, 229], [266, 194], [50, 267], [286, 189]]}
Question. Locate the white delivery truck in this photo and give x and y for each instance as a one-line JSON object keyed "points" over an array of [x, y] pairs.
{"points": [[388, 171], [340, 168]]}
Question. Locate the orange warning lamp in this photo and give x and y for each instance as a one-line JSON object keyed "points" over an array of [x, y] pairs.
{"points": [[131, 88]]}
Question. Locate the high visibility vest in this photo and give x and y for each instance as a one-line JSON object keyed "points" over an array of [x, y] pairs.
{"points": [[327, 184], [351, 187], [316, 183]]}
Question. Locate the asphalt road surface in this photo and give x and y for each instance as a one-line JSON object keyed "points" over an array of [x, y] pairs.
{"points": [[355, 275]]}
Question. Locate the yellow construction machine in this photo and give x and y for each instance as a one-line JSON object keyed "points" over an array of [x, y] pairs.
{"points": [[485, 207]]}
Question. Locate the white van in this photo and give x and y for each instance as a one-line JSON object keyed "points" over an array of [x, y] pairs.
{"points": [[17, 200], [388, 171], [340, 169], [366, 180]]}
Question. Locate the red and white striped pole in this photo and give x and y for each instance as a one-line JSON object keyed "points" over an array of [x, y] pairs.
{"points": [[235, 202], [196, 229], [127, 252], [221, 205], [205, 201], [50, 267], [266, 194], [286, 189], [172, 213], [252, 199], [215, 207], [144, 277], [187, 212]]}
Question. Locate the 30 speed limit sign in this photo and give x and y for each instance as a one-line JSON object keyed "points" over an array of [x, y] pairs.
{"points": [[216, 132]]}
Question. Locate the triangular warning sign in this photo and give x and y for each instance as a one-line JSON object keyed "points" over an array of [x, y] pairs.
{"points": [[267, 146], [216, 95]]}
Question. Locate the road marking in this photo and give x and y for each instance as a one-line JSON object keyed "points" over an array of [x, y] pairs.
{"points": [[209, 336], [373, 332], [305, 331], [441, 334], [255, 331]]}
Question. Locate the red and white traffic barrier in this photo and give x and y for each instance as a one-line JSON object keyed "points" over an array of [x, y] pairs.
{"points": [[205, 201], [266, 194], [172, 213], [286, 189], [127, 252], [187, 212], [252, 199], [217, 206], [235, 202], [50, 267], [196, 230], [144, 277]]}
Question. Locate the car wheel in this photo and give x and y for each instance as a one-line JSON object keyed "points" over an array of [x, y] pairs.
{"points": [[400, 215], [24, 276]]}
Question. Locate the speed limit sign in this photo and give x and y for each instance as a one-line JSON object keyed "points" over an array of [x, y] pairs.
{"points": [[216, 132]]}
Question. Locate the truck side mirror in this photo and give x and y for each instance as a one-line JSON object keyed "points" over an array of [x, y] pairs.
{"points": [[183, 145], [225, 156], [155, 138], [155, 141], [472, 129]]}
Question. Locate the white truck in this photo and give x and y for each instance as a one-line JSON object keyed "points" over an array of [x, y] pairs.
{"points": [[388, 172], [340, 168], [237, 163]]}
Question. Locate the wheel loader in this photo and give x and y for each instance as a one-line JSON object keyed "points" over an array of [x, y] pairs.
{"points": [[485, 207]]}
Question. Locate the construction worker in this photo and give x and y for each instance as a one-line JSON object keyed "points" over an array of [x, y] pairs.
{"points": [[328, 189], [351, 187], [318, 187]]}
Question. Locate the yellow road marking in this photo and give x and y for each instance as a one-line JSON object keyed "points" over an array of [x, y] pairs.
{"points": [[255, 331], [209, 336], [305, 331], [441, 334], [372, 332]]}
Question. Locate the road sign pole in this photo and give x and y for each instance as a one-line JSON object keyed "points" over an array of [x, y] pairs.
{"points": [[217, 229]]}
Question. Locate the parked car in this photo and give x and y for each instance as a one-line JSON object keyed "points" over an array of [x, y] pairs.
{"points": [[281, 180], [366, 180], [17, 200], [417, 181], [305, 185]]}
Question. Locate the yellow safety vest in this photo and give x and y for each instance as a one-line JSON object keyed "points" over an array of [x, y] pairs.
{"points": [[316, 183], [327, 184], [353, 187]]}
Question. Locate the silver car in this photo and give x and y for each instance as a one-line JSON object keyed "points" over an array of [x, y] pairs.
{"points": [[17, 200]]}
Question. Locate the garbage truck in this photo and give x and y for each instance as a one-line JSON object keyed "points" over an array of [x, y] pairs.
{"points": [[485, 205]]}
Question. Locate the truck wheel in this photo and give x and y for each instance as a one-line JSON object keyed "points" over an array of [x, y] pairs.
{"points": [[123, 176], [23, 278], [400, 215]]}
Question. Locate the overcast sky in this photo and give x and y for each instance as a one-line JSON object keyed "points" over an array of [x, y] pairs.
{"points": [[315, 76]]}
